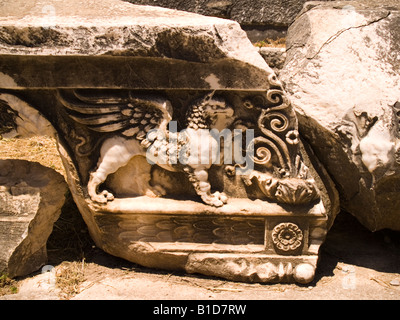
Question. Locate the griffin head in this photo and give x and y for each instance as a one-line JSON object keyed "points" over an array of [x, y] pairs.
{"points": [[210, 113]]}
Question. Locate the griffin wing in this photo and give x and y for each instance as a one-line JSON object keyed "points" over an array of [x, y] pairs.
{"points": [[124, 112]]}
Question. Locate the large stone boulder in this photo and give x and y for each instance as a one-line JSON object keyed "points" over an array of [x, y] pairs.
{"points": [[261, 19], [31, 197], [342, 75]]}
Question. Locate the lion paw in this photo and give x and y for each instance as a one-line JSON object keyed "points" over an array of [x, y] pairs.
{"points": [[103, 197], [216, 199]]}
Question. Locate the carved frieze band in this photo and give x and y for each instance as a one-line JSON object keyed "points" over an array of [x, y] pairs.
{"points": [[140, 124], [207, 230]]}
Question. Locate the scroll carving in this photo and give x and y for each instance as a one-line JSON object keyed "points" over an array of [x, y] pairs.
{"points": [[280, 173]]}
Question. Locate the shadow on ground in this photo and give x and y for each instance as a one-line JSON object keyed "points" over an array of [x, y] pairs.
{"points": [[351, 243]]}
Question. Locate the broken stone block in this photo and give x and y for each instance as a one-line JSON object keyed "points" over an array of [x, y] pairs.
{"points": [[31, 197], [342, 76], [180, 146], [265, 13]]}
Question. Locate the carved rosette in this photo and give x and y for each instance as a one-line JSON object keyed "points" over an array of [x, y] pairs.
{"points": [[287, 236]]}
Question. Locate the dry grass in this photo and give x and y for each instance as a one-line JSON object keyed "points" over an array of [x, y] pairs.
{"points": [[277, 43], [7, 285], [70, 239], [69, 277], [40, 149]]}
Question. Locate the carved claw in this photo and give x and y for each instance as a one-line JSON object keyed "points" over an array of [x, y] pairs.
{"points": [[102, 197], [222, 196], [215, 199]]}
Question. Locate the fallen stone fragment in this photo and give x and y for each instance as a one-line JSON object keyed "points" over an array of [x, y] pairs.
{"points": [[395, 282], [31, 197], [342, 76]]}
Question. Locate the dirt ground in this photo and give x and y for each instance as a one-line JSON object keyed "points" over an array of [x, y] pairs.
{"points": [[355, 264]]}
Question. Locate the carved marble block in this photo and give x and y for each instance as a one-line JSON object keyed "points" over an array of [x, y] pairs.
{"points": [[181, 148]]}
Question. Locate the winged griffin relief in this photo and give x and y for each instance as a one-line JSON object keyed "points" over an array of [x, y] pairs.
{"points": [[140, 126], [136, 124]]}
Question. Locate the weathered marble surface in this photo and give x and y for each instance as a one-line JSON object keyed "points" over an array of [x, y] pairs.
{"points": [[116, 28], [342, 75], [106, 74], [31, 197], [264, 13]]}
